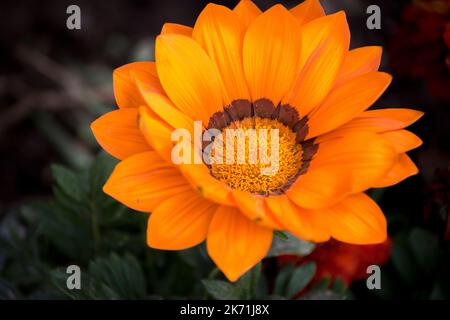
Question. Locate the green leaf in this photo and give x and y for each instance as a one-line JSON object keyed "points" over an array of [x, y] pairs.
{"points": [[68, 182], [325, 294], [300, 278], [404, 260], [292, 245], [114, 277], [122, 274], [90, 287], [248, 283], [282, 279], [281, 235], [99, 173], [339, 286], [245, 288], [425, 248], [322, 284], [222, 290]]}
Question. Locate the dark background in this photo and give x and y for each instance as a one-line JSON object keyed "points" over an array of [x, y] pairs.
{"points": [[55, 81]]}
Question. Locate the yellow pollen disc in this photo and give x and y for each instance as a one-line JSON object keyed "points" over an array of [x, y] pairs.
{"points": [[265, 166]]}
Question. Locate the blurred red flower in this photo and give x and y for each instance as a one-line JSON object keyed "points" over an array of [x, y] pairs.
{"points": [[346, 261], [421, 47]]}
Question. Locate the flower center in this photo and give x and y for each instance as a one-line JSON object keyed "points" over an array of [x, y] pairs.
{"points": [[256, 154]]}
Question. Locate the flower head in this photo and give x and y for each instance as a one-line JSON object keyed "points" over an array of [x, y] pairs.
{"points": [[284, 71]]}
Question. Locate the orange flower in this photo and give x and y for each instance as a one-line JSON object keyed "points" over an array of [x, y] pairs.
{"points": [[290, 70]]}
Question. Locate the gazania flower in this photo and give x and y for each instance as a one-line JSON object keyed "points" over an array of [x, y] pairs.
{"points": [[290, 70]]}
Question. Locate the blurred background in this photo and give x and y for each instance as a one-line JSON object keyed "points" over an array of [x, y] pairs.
{"points": [[55, 81]]}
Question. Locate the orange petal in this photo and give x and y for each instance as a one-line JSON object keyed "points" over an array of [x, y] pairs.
{"points": [[158, 135], [343, 166], [382, 120], [402, 140], [125, 91], [156, 132], [402, 169], [220, 32], [303, 223], [118, 133], [308, 10], [247, 11], [189, 77], [357, 219], [271, 52], [146, 82], [235, 243], [255, 208], [324, 44], [166, 110], [347, 101], [208, 186], [360, 61], [175, 227], [143, 181], [174, 28]]}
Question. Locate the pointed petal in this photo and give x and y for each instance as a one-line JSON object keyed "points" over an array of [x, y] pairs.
{"points": [[175, 227], [303, 223], [324, 44], [402, 140], [343, 166], [125, 91], [271, 51], [166, 110], [347, 101], [199, 177], [220, 32], [357, 219], [308, 10], [247, 11], [382, 120], [255, 208], [174, 28], [188, 76], [156, 132], [235, 243], [118, 133], [360, 61], [402, 169], [142, 181]]}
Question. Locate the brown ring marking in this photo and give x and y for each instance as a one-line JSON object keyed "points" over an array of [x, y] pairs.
{"points": [[264, 108]]}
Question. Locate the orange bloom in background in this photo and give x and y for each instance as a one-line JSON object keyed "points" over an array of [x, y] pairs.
{"points": [[348, 262], [290, 70]]}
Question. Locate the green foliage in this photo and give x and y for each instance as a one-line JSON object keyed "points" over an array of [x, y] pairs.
{"points": [[300, 278], [245, 288], [80, 225], [296, 282], [419, 267], [286, 243], [291, 280], [112, 277]]}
